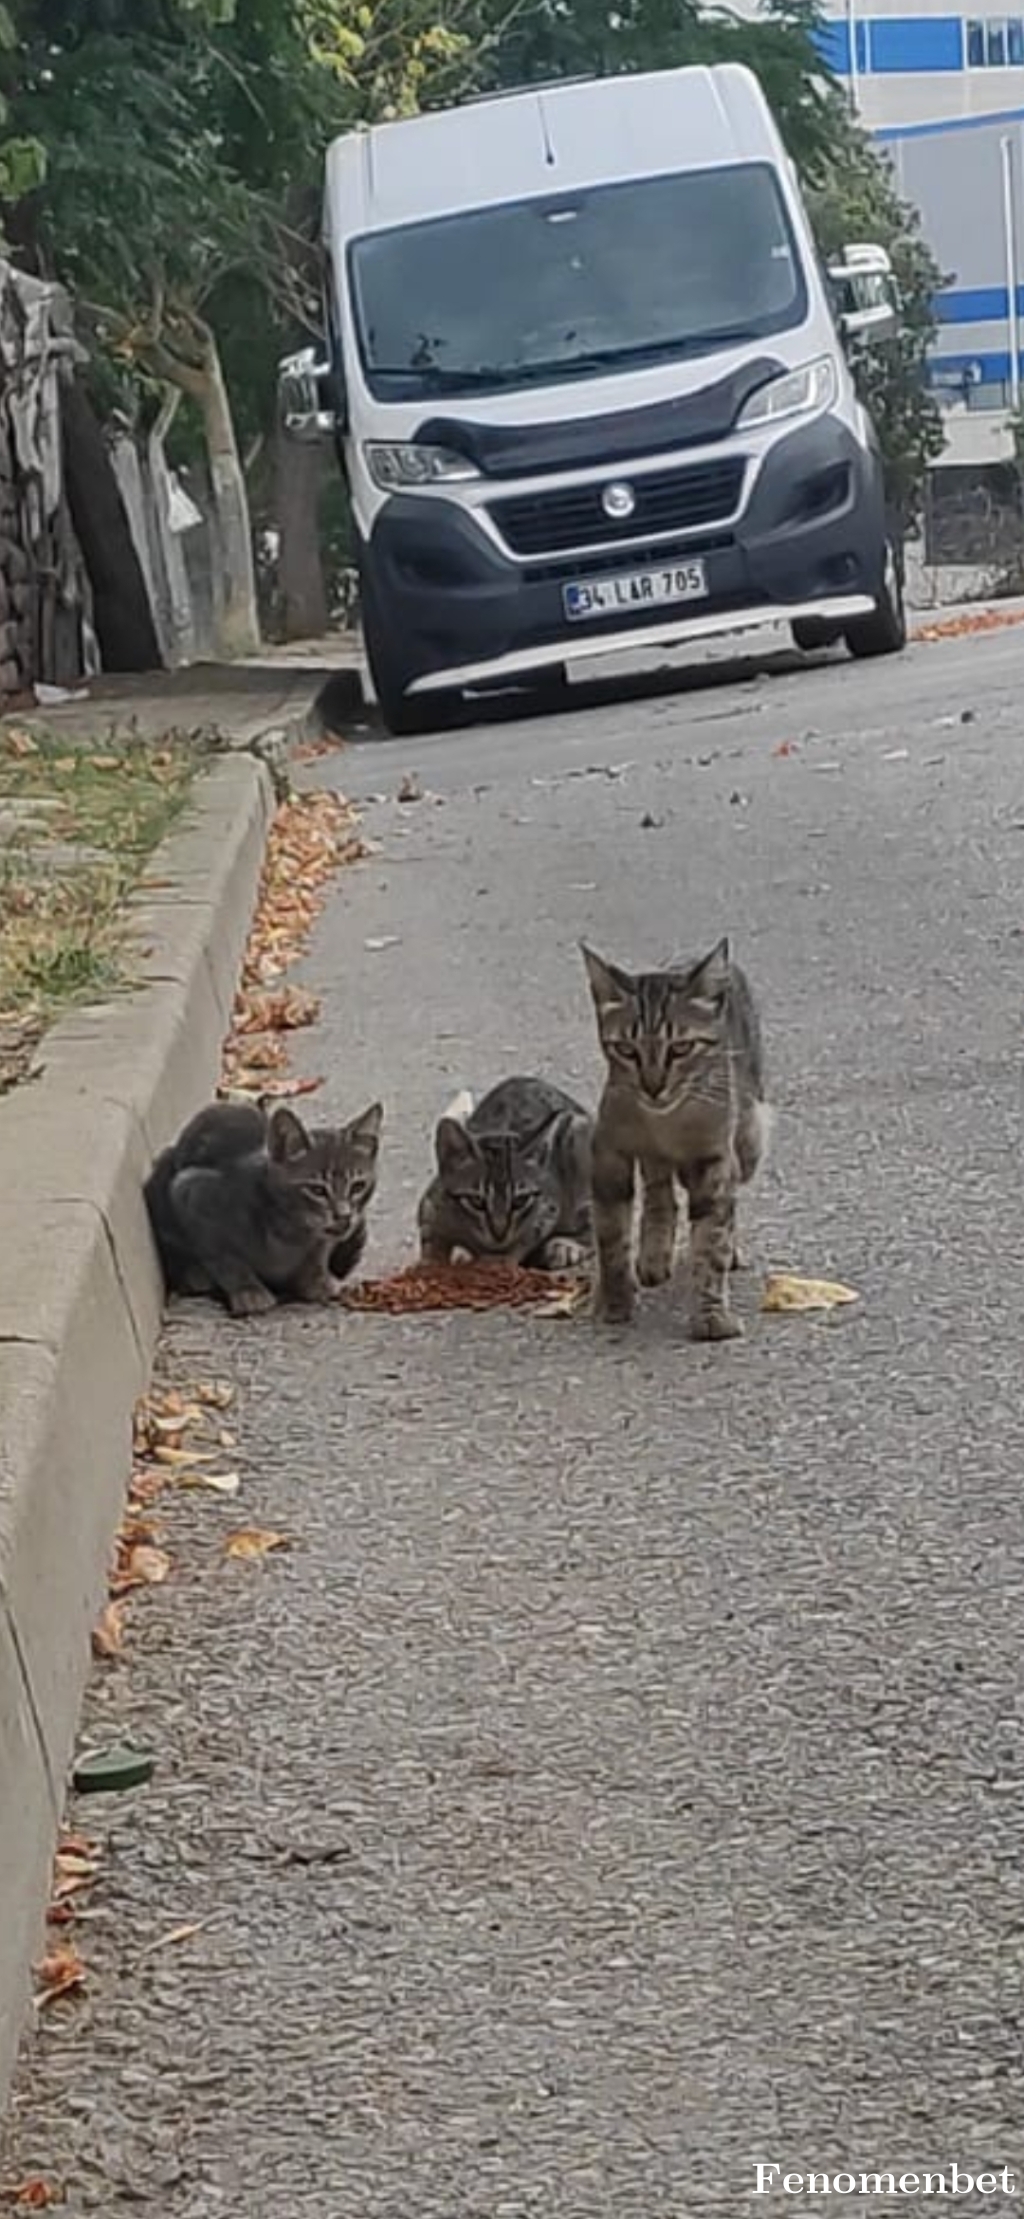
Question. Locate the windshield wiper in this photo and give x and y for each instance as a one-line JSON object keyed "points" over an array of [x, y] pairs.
{"points": [[432, 376]]}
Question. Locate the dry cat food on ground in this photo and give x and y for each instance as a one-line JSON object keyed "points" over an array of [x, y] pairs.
{"points": [[480, 1286]]}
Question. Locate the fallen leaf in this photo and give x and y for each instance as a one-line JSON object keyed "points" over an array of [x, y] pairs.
{"points": [[183, 1456], [219, 1394], [32, 2195], [218, 1483], [784, 1292], [77, 1845], [141, 1566], [61, 1973], [104, 762], [255, 1541], [108, 1632], [285, 1090], [71, 1873], [565, 1302], [20, 743], [286, 1010], [176, 1934], [785, 747]]}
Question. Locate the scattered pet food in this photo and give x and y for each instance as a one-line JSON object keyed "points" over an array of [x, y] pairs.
{"points": [[469, 1286]]}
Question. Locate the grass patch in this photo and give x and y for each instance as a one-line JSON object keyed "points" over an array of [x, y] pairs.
{"points": [[62, 912]]}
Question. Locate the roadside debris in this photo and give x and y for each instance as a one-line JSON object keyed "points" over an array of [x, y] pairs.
{"points": [[784, 1292]]}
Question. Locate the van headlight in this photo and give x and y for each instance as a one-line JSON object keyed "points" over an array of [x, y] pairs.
{"points": [[396, 467], [804, 392]]}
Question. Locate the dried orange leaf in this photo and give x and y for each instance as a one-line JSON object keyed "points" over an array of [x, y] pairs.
{"points": [[217, 1393], [176, 1934], [61, 1973], [255, 1541], [108, 1632], [17, 742], [784, 1292], [32, 2195], [143, 1566], [218, 1483]]}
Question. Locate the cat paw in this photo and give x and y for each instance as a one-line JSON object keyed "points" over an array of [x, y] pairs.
{"points": [[715, 1325], [251, 1302], [654, 1264], [613, 1305], [563, 1255]]}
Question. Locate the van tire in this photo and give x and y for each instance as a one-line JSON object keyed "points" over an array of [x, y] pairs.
{"points": [[884, 632], [404, 715], [811, 633]]}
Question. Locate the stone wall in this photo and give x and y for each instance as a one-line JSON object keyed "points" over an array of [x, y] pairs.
{"points": [[46, 631]]}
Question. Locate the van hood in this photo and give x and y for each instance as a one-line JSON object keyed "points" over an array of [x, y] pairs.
{"points": [[575, 421]]}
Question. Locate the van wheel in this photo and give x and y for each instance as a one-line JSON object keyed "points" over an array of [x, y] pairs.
{"points": [[404, 714], [810, 633], [884, 632]]}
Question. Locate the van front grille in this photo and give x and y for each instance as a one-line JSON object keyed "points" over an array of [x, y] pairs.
{"points": [[678, 500]]}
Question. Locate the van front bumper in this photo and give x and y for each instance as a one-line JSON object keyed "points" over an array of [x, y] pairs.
{"points": [[457, 611]]}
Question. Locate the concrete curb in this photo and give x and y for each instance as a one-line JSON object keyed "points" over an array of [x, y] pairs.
{"points": [[80, 1309]]}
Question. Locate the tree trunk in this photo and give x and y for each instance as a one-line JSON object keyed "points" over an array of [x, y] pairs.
{"points": [[122, 615], [302, 591], [239, 620]]}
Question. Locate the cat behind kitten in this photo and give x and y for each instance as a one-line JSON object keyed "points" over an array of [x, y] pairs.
{"points": [[512, 1179], [683, 1102], [251, 1205]]}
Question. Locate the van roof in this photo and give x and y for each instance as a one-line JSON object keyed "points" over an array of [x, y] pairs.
{"points": [[545, 140]]}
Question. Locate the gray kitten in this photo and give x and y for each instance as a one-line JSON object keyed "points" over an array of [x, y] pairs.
{"points": [[684, 1101], [512, 1179], [253, 1207]]}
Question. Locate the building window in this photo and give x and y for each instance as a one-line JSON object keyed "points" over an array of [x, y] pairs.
{"points": [[995, 42]]}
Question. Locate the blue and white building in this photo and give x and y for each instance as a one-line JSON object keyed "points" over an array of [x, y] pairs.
{"points": [[944, 95]]}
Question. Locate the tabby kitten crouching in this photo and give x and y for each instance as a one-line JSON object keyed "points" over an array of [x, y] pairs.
{"points": [[683, 1103], [255, 1208], [512, 1179]]}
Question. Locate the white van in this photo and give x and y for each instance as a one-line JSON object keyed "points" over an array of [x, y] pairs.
{"points": [[587, 384]]}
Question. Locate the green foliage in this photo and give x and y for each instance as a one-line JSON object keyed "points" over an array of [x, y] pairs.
{"points": [[851, 196]]}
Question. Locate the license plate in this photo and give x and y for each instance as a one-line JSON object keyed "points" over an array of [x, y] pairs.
{"points": [[635, 589]]}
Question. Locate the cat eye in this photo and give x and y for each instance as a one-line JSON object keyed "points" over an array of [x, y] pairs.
{"points": [[473, 1202]]}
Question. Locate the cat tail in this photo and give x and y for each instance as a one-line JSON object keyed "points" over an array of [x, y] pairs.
{"points": [[461, 1107]]}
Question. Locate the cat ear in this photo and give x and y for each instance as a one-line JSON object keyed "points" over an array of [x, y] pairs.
{"points": [[287, 1138], [609, 986], [455, 1147], [708, 981], [367, 1128]]}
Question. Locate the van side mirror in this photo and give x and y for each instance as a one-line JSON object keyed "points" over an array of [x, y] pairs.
{"points": [[306, 396], [866, 294]]}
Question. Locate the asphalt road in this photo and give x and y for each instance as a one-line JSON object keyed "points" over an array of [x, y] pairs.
{"points": [[622, 1780]]}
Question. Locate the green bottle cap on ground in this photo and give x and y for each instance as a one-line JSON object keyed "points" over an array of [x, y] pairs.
{"points": [[110, 1771]]}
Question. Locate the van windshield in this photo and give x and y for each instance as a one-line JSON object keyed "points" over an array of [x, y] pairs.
{"points": [[569, 285]]}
